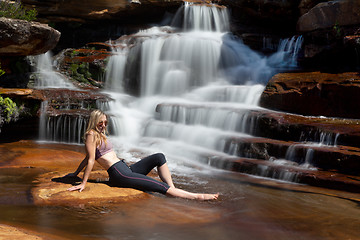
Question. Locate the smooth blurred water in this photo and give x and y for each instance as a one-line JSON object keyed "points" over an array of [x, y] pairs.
{"points": [[198, 84], [46, 76]]}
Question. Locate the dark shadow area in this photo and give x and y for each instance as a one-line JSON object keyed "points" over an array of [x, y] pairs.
{"points": [[67, 180], [24, 129], [77, 180]]}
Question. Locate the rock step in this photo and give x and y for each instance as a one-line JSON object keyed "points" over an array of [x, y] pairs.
{"points": [[314, 93], [264, 123], [292, 127], [280, 169], [343, 159], [293, 173]]}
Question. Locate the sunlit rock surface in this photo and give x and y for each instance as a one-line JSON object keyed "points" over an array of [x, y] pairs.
{"points": [[22, 38], [314, 93], [15, 233], [52, 189], [8, 232], [57, 160]]}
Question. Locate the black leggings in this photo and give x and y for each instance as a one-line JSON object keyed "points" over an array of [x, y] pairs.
{"points": [[135, 176]]}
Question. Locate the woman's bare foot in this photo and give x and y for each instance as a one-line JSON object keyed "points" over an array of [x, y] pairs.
{"points": [[205, 197], [176, 192]]}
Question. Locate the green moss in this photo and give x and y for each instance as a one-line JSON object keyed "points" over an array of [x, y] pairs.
{"points": [[80, 72], [15, 10]]}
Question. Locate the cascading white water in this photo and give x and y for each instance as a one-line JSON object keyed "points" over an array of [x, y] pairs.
{"points": [[197, 87], [46, 77], [115, 70], [287, 53], [196, 17]]}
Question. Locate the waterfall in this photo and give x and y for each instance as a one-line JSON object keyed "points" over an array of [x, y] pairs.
{"points": [[63, 128], [198, 86], [198, 89], [210, 18], [287, 53], [115, 70], [46, 76]]}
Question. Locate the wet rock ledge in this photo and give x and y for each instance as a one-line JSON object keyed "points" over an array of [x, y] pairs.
{"points": [[314, 94]]}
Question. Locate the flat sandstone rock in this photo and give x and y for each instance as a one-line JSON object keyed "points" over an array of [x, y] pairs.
{"points": [[52, 190], [10, 233], [55, 161]]}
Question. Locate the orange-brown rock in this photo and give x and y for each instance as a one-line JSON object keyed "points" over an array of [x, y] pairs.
{"points": [[55, 97], [47, 156], [314, 94], [14, 233], [8, 232], [57, 160], [52, 189]]}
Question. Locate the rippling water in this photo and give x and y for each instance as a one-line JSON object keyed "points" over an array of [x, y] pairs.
{"points": [[249, 208]]}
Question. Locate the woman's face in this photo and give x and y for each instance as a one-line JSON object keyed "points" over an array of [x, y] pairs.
{"points": [[101, 125]]}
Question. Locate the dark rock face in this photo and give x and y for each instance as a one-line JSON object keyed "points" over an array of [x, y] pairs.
{"points": [[18, 39], [306, 5], [328, 14], [314, 93], [71, 10], [97, 20], [22, 38], [326, 28]]}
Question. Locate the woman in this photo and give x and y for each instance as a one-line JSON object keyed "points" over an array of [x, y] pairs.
{"points": [[99, 148]]}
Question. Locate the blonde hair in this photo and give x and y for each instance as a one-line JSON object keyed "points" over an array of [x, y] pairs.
{"points": [[92, 127]]}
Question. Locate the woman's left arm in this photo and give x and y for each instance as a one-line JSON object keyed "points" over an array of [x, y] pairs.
{"points": [[80, 167], [90, 146]]}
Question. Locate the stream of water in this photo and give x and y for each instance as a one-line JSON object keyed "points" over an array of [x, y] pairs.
{"points": [[198, 83]]}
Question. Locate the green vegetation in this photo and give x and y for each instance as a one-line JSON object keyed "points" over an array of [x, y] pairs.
{"points": [[14, 9], [338, 30], [2, 72], [80, 72], [8, 110]]}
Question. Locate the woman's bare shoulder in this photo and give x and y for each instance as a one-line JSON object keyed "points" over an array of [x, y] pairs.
{"points": [[90, 135], [90, 132]]}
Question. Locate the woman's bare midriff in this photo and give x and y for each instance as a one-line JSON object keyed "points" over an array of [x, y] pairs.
{"points": [[108, 159]]}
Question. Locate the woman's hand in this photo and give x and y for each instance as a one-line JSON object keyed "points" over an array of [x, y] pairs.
{"points": [[79, 187]]}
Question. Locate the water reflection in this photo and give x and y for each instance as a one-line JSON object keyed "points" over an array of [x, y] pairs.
{"points": [[249, 208]]}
